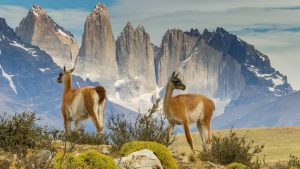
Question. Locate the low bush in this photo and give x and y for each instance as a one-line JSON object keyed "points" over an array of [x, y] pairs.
{"points": [[90, 159], [292, 163], [145, 127], [81, 136], [161, 151], [4, 163], [232, 148], [19, 134], [235, 165]]}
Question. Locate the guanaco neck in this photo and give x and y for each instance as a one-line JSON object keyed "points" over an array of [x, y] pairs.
{"points": [[67, 83], [168, 96]]}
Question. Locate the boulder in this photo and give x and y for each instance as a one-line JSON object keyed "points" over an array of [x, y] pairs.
{"points": [[143, 159]]}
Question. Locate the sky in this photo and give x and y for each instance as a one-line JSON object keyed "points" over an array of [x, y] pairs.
{"points": [[272, 26]]}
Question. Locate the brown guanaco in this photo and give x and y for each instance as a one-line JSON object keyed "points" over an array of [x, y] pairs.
{"points": [[81, 103], [185, 109]]}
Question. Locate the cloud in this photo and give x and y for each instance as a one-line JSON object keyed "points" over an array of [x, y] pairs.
{"points": [[13, 14]]}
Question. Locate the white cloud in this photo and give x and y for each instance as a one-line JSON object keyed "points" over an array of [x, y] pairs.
{"points": [[13, 14]]}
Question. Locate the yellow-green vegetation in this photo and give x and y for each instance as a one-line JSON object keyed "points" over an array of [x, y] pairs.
{"points": [[90, 159], [279, 142], [236, 166], [293, 168], [161, 151]]}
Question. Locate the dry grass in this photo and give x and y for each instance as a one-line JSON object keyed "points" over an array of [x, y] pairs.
{"points": [[279, 142]]}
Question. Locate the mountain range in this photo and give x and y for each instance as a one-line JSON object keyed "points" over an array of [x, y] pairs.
{"points": [[215, 63]]}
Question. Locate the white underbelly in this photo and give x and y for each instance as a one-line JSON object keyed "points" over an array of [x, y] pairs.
{"points": [[196, 114], [77, 109]]}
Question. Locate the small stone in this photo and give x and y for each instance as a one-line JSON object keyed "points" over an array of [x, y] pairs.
{"points": [[105, 151]]}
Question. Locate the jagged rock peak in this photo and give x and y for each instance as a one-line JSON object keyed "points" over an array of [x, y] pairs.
{"points": [[37, 10], [135, 56], [98, 49], [38, 29], [100, 8], [193, 32], [128, 26]]}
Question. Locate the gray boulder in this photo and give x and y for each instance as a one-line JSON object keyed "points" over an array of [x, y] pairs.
{"points": [[143, 159]]}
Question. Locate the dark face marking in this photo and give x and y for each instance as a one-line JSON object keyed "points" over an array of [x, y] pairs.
{"points": [[178, 84], [60, 78]]}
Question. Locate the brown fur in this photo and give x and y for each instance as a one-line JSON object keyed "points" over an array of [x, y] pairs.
{"points": [[177, 109], [101, 92], [87, 92]]}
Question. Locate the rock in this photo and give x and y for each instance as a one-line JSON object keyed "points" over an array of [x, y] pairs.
{"points": [[203, 68], [43, 156], [105, 151], [135, 56], [39, 29], [97, 55], [143, 159]]}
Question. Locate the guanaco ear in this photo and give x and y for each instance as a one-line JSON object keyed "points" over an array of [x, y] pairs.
{"points": [[173, 74], [64, 69], [72, 70], [177, 74]]}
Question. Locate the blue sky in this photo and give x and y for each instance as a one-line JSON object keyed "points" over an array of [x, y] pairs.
{"points": [[272, 26], [57, 4]]}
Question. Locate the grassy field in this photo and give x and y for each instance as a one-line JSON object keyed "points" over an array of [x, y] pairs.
{"points": [[279, 142]]}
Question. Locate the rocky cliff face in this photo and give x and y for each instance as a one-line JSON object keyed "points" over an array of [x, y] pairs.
{"points": [[260, 78], [204, 69], [135, 56], [97, 55], [38, 29], [219, 65]]}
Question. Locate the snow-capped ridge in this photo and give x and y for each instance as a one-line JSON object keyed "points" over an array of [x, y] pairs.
{"points": [[9, 79]]}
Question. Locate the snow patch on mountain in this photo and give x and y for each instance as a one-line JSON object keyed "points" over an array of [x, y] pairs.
{"points": [[29, 50], [63, 33], [44, 69], [276, 80], [9, 78]]}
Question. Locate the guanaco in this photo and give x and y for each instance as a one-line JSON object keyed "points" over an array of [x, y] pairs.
{"points": [[81, 103], [185, 109]]}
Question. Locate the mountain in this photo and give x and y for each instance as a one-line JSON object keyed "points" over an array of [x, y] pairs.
{"points": [[204, 69], [219, 65], [39, 29], [28, 80], [97, 55], [283, 111], [135, 57]]}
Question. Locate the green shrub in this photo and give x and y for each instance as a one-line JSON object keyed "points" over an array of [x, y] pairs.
{"points": [[19, 134], [161, 151], [65, 160], [293, 162], [145, 127], [235, 165], [232, 148], [81, 136], [94, 160], [88, 160]]}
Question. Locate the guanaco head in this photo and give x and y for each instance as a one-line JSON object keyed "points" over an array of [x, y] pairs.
{"points": [[176, 82], [63, 74]]}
